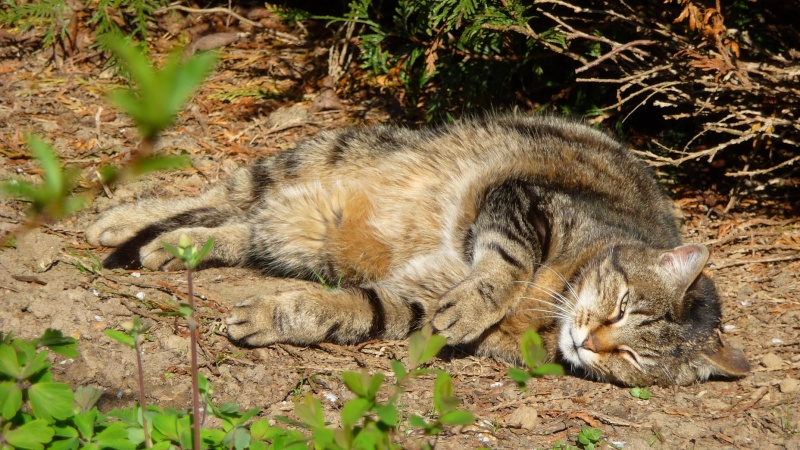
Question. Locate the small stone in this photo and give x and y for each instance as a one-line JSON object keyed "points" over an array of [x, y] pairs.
{"points": [[788, 385], [771, 361], [524, 417]]}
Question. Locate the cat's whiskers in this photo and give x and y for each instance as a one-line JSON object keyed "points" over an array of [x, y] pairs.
{"points": [[557, 296], [565, 312], [569, 286]]}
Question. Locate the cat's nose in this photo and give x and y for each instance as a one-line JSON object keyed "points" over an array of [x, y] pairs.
{"points": [[589, 343]]}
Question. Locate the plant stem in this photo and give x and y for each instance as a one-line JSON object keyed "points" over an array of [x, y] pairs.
{"points": [[142, 403], [195, 381]]}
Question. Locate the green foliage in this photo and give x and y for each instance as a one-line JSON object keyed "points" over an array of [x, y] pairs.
{"points": [[54, 17], [449, 55], [159, 93], [535, 357], [135, 15], [589, 438], [33, 404], [52, 199], [368, 422], [641, 393], [188, 252]]}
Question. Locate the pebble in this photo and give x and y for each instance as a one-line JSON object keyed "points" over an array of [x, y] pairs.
{"points": [[771, 361], [524, 417], [788, 385]]}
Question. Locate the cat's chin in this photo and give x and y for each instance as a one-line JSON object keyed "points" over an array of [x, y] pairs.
{"points": [[571, 351]]}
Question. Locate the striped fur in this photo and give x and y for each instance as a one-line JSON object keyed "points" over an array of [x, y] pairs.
{"points": [[481, 229]]}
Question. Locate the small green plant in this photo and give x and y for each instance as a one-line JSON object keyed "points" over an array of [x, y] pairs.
{"points": [[32, 401], [52, 199], [132, 338], [535, 357], [368, 422], [159, 93], [327, 285], [641, 393], [589, 438], [52, 16]]}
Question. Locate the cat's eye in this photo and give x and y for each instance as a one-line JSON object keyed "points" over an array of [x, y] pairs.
{"points": [[623, 305]]}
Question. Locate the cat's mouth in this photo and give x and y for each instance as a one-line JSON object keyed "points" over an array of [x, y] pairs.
{"points": [[571, 343]]}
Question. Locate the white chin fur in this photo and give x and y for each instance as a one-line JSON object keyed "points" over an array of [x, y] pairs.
{"points": [[570, 349]]}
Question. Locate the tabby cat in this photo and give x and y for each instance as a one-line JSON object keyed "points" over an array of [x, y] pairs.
{"points": [[481, 229]]}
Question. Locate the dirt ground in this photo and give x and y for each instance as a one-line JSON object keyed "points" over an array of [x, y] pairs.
{"points": [[755, 261]]}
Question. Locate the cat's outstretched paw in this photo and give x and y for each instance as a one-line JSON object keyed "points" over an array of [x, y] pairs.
{"points": [[288, 317], [251, 323], [115, 227]]}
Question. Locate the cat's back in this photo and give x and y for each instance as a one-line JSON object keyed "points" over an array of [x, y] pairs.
{"points": [[415, 192]]}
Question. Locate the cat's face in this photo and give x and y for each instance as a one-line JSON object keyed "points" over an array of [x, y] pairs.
{"points": [[641, 317]]}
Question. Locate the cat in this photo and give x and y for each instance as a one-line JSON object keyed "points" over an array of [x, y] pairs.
{"points": [[481, 229]]}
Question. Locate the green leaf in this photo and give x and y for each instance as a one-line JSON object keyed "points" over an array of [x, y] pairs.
{"points": [[309, 410], [53, 175], [156, 163], [71, 443], [51, 400], [57, 342], [375, 383], [422, 346], [36, 365], [12, 399], [260, 428], [167, 425], [435, 344], [29, 436], [443, 399], [457, 417], [206, 248], [85, 423], [121, 337], [399, 370], [355, 381], [519, 375], [241, 439], [354, 410], [174, 251], [548, 369], [388, 414], [641, 393], [115, 436], [9, 364], [249, 414], [417, 422], [533, 352], [87, 396]]}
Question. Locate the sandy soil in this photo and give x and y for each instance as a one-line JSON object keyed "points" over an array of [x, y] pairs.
{"points": [[755, 261]]}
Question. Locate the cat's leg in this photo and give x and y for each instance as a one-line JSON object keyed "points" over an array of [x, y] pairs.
{"points": [[506, 244], [149, 218], [231, 243], [308, 313]]}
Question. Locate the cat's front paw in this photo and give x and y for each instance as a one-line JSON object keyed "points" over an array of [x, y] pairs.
{"points": [[464, 313], [251, 323]]}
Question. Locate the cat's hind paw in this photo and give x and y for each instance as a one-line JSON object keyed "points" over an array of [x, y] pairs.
{"points": [[114, 228]]}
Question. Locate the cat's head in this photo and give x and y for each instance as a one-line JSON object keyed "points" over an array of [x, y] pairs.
{"points": [[642, 316]]}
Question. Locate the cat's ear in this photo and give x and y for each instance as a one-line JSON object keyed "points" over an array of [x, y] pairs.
{"points": [[723, 360], [683, 264]]}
